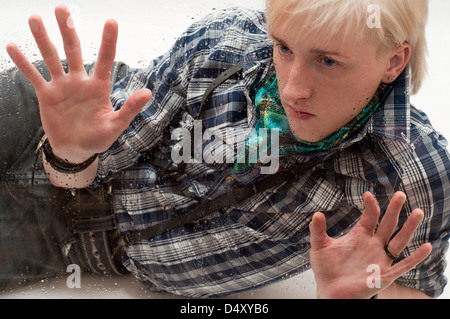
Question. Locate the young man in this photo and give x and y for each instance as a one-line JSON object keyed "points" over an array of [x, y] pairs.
{"points": [[333, 91]]}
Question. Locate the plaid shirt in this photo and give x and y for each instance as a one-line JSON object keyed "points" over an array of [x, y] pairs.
{"points": [[267, 238]]}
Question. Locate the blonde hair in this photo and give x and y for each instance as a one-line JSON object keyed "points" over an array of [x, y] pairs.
{"points": [[400, 21]]}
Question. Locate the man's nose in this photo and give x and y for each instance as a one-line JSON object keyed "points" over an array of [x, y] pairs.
{"points": [[298, 84]]}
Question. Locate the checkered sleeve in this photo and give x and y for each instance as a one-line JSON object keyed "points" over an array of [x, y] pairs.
{"points": [[168, 77], [425, 181]]}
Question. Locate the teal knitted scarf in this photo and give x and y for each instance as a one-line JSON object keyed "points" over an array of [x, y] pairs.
{"points": [[273, 117]]}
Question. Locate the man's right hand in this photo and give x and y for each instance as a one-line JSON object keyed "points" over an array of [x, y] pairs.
{"points": [[75, 108]]}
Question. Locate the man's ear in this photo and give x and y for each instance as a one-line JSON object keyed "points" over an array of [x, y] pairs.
{"points": [[399, 59]]}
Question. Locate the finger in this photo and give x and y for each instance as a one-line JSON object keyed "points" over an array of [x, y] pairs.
{"points": [[390, 219], [401, 240], [411, 261], [70, 38], [131, 108], [318, 226], [107, 52], [27, 68], [46, 47], [371, 214]]}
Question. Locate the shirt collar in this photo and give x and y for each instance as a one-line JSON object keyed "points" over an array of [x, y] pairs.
{"points": [[393, 118], [258, 65]]}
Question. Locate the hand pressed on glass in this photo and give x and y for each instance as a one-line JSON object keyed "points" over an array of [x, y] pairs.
{"points": [[340, 265], [75, 108]]}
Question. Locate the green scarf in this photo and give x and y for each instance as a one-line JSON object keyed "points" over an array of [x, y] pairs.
{"points": [[273, 117]]}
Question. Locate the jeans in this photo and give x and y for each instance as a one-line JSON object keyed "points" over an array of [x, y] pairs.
{"points": [[37, 238]]}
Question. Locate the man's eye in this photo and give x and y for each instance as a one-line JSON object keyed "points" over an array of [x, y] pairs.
{"points": [[329, 62], [284, 49]]}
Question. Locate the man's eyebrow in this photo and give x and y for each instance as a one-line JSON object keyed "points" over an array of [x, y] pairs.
{"points": [[326, 52], [277, 39], [315, 51]]}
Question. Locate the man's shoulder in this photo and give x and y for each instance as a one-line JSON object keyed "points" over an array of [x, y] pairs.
{"points": [[248, 20], [238, 14], [422, 130], [422, 145]]}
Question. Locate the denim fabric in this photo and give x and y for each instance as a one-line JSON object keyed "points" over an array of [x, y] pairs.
{"points": [[36, 220], [30, 235]]}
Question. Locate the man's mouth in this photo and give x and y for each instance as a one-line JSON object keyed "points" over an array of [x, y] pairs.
{"points": [[300, 114]]}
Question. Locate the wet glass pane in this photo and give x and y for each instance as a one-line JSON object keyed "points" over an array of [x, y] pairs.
{"points": [[147, 30]]}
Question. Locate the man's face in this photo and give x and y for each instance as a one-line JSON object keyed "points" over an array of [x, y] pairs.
{"points": [[323, 87]]}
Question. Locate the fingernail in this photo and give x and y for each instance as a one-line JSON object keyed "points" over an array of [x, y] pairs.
{"points": [[108, 33], [419, 219], [313, 219], [60, 15], [11, 52], [369, 195], [34, 26]]}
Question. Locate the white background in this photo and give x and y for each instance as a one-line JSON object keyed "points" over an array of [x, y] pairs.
{"points": [[146, 30]]}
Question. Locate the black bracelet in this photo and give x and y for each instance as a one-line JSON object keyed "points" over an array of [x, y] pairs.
{"points": [[63, 166]]}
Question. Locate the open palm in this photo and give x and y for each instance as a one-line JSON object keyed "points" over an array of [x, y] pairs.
{"points": [[343, 266], [76, 111]]}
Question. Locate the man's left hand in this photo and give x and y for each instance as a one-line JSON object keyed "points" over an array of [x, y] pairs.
{"points": [[343, 266]]}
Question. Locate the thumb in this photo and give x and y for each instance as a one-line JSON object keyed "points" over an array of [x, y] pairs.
{"points": [[132, 107], [318, 226]]}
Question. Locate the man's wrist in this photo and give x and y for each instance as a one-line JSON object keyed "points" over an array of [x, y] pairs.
{"points": [[63, 165]]}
